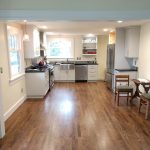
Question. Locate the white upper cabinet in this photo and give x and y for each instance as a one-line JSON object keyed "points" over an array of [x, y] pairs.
{"points": [[32, 47], [132, 39]]}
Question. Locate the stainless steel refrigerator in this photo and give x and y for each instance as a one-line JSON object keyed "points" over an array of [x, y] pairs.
{"points": [[110, 65]]}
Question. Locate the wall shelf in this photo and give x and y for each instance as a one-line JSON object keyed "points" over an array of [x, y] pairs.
{"points": [[89, 45]]}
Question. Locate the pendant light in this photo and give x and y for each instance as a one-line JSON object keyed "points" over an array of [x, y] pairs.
{"points": [[26, 36]]}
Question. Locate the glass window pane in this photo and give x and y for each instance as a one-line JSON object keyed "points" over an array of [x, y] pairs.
{"points": [[15, 62], [15, 53], [60, 48]]}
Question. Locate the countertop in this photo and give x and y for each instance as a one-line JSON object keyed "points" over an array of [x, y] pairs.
{"points": [[76, 62], [125, 70], [38, 69]]}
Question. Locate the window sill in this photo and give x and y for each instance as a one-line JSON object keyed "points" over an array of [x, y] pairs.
{"points": [[16, 78]]}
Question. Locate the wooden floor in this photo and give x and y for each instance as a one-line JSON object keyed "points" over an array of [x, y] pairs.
{"points": [[76, 116]]}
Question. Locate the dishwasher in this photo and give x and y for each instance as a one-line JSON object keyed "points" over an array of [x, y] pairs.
{"points": [[81, 73]]}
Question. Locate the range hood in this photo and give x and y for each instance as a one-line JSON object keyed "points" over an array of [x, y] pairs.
{"points": [[42, 47]]}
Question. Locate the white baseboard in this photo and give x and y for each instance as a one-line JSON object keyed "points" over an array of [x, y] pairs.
{"points": [[13, 108]]}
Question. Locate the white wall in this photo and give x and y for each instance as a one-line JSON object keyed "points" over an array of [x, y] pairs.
{"points": [[144, 52], [102, 55], [11, 92]]}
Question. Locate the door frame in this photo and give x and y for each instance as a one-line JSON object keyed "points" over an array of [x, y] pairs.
{"points": [[2, 122]]}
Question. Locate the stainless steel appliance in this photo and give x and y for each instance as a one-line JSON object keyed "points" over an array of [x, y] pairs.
{"points": [[81, 72], [110, 65], [51, 76]]}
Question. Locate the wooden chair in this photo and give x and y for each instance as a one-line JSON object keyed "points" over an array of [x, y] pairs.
{"points": [[122, 87], [145, 100]]}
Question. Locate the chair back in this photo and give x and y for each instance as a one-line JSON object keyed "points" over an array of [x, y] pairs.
{"points": [[121, 80]]}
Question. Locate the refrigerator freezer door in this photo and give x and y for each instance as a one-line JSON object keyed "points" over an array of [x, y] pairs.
{"points": [[110, 57]]}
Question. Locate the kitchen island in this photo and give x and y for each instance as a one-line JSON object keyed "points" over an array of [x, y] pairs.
{"points": [[37, 81]]}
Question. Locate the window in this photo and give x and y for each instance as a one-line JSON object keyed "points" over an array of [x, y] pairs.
{"points": [[60, 48], [14, 51]]}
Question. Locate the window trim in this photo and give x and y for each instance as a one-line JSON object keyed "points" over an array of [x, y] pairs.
{"points": [[21, 73]]}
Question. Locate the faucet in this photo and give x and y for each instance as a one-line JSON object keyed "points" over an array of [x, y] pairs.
{"points": [[67, 59]]}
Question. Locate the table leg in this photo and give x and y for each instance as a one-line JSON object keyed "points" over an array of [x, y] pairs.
{"points": [[136, 94]]}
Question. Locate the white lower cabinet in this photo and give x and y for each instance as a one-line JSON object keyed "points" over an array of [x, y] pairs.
{"points": [[64, 75], [92, 72], [57, 72], [37, 84]]}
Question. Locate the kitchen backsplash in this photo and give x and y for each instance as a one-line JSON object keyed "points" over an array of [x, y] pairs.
{"points": [[84, 58]]}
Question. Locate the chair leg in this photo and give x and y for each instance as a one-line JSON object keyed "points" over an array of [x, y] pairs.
{"points": [[115, 98], [118, 99], [140, 106], [127, 98], [147, 110], [131, 99]]}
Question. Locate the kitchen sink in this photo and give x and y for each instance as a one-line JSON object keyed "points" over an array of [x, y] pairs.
{"points": [[67, 66]]}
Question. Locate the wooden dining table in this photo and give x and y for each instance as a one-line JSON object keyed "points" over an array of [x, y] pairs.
{"points": [[145, 84]]}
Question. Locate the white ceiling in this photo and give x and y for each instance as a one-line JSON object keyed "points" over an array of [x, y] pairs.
{"points": [[83, 27]]}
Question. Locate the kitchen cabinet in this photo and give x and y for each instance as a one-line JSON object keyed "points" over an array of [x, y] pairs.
{"points": [[132, 38], [32, 47], [67, 75], [89, 45], [92, 72], [57, 72], [37, 84]]}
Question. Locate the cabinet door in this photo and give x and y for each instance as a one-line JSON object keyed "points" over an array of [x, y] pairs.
{"points": [[36, 43], [71, 75], [32, 47], [38, 89], [57, 72], [92, 72], [63, 75], [132, 37]]}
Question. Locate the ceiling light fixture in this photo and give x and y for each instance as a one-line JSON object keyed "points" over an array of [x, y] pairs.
{"points": [[44, 27], [119, 21], [90, 35], [26, 36], [105, 30]]}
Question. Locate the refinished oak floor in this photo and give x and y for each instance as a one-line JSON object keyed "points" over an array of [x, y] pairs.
{"points": [[76, 116]]}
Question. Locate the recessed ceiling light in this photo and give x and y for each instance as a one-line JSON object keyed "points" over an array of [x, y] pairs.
{"points": [[8, 27], [50, 33], [90, 35], [119, 21], [44, 27], [105, 30]]}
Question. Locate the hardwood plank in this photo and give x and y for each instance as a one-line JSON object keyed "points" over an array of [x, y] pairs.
{"points": [[77, 116]]}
